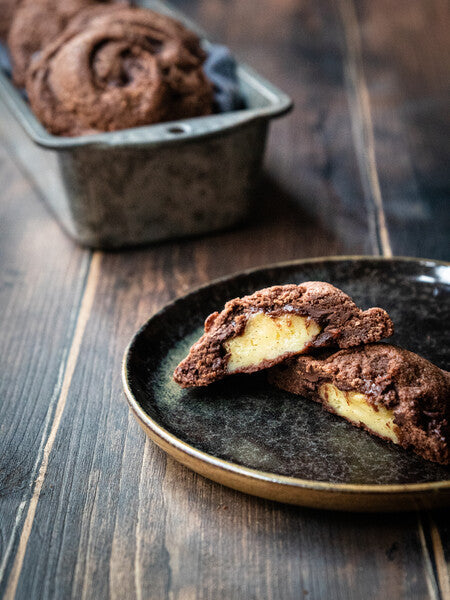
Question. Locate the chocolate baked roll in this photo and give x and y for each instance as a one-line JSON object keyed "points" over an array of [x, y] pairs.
{"points": [[7, 10], [261, 330], [35, 24], [392, 393], [115, 69]]}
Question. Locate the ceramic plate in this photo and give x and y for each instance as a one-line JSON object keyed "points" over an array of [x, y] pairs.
{"points": [[247, 435]]}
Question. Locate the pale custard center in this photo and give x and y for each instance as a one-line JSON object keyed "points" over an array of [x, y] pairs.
{"points": [[266, 338], [355, 407]]}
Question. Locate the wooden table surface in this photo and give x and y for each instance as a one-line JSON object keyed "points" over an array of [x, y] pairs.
{"points": [[89, 508]]}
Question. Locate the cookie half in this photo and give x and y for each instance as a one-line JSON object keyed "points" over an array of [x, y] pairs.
{"points": [[261, 330], [392, 393]]}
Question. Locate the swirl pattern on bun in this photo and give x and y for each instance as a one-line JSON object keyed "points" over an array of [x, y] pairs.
{"points": [[35, 24], [118, 67]]}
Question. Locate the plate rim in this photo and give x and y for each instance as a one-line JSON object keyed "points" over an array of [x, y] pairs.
{"points": [[249, 473]]}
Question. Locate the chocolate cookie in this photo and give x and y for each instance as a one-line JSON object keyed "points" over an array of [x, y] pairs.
{"points": [[37, 23], [118, 69], [261, 330], [7, 10], [390, 392]]}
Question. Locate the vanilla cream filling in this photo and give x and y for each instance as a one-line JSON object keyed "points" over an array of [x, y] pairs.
{"points": [[355, 407], [266, 338]]}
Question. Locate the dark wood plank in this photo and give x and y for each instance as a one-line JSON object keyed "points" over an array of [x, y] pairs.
{"points": [[300, 47], [438, 526], [41, 281], [405, 50]]}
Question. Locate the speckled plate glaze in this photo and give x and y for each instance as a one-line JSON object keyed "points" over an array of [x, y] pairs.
{"points": [[247, 435]]}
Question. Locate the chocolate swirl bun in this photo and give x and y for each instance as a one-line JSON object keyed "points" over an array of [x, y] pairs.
{"points": [[35, 24], [116, 69]]}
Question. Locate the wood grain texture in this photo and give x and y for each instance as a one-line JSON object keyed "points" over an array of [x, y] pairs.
{"points": [[439, 528], [405, 50], [72, 359], [300, 46], [115, 518], [41, 282]]}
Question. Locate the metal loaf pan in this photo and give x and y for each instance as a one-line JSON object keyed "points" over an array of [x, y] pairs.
{"points": [[149, 183]]}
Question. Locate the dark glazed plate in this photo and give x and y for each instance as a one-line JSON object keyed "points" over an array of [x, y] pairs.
{"points": [[263, 441]]}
